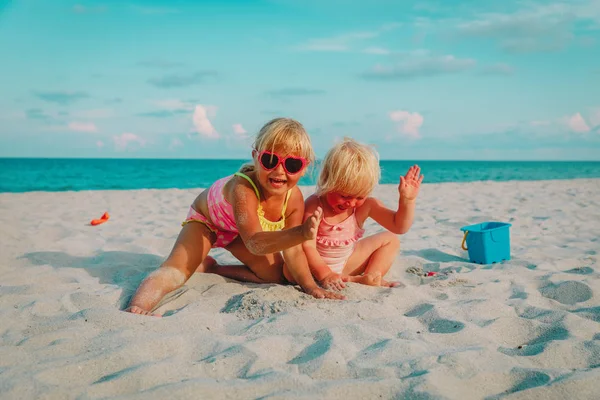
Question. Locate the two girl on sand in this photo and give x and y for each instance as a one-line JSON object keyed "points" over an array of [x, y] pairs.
{"points": [[260, 216]]}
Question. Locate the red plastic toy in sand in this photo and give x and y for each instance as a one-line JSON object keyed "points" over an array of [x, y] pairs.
{"points": [[101, 220]]}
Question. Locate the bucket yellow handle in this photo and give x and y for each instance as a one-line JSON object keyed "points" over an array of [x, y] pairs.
{"points": [[464, 240]]}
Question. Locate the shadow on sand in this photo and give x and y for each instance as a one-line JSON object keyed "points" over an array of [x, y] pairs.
{"points": [[120, 268], [434, 255]]}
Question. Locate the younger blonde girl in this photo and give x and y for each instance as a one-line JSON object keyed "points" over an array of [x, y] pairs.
{"points": [[338, 253]]}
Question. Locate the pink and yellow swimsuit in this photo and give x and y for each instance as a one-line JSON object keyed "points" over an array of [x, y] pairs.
{"points": [[335, 243], [221, 213]]}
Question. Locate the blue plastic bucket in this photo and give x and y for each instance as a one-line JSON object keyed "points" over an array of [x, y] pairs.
{"points": [[487, 242]]}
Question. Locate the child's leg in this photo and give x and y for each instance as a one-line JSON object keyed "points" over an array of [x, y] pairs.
{"points": [[258, 269], [372, 257], [190, 249]]}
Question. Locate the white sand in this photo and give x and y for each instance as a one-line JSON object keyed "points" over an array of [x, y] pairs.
{"points": [[528, 328]]}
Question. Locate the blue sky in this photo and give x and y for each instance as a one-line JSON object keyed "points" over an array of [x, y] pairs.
{"points": [[196, 79]]}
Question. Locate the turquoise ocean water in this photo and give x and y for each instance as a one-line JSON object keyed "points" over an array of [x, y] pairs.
{"points": [[36, 174]]}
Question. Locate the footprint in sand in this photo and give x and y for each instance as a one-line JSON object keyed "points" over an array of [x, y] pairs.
{"points": [[445, 326], [321, 345], [580, 271], [542, 315], [529, 380], [592, 313], [518, 292], [419, 310], [537, 345], [434, 325], [569, 292]]}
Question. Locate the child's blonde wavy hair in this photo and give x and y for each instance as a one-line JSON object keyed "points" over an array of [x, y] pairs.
{"points": [[351, 168], [283, 136]]}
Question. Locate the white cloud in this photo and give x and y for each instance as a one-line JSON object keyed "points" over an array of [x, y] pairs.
{"points": [[534, 27], [542, 44], [577, 124], [82, 127], [559, 126], [574, 123], [238, 129], [408, 123], [202, 122], [420, 64], [524, 22], [345, 42], [123, 141]]}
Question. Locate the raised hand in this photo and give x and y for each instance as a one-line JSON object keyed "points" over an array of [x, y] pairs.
{"points": [[410, 183], [311, 225], [320, 293], [333, 281]]}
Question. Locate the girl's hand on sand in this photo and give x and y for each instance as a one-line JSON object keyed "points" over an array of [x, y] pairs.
{"points": [[410, 183], [311, 225], [324, 294], [333, 281], [137, 310]]}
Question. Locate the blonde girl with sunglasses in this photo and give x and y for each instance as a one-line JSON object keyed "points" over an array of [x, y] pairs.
{"points": [[256, 214], [339, 253]]}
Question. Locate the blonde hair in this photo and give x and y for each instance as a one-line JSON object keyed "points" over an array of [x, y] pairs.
{"points": [[351, 168], [284, 136]]}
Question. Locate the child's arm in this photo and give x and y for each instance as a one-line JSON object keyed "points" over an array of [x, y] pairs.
{"points": [[319, 269], [295, 257], [317, 266], [245, 204], [398, 222]]}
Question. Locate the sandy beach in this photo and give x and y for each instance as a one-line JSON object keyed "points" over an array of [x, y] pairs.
{"points": [[528, 328]]}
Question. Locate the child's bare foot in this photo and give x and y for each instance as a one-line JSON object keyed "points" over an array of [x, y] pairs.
{"points": [[370, 279], [209, 265], [138, 310]]}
